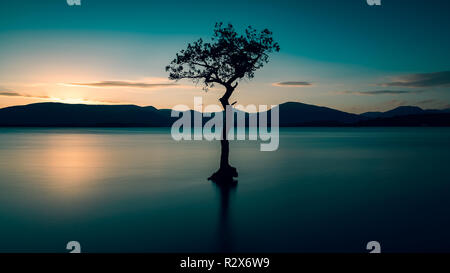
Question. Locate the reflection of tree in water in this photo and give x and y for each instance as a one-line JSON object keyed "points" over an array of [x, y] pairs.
{"points": [[225, 189]]}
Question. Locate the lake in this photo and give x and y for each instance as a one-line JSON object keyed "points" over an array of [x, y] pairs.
{"points": [[138, 190]]}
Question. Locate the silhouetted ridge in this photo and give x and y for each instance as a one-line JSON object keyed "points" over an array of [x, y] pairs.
{"points": [[54, 114], [399, 111], [291, 114], [296, 113]]}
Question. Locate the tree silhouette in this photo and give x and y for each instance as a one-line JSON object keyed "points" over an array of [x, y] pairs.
{"points": [[225, 61]]}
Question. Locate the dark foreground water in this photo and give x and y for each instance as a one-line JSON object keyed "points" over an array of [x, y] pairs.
{"points": [[137, 190]]}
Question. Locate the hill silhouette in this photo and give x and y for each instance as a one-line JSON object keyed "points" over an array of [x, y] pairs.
{"points": [[60, 114], [301, 114], [401, 111], [292, 114]]}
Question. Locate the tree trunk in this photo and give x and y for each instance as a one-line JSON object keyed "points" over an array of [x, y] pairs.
{"points": [[226, 172]]}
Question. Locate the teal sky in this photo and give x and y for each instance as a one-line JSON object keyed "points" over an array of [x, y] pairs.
{"points": [[354, 57]]}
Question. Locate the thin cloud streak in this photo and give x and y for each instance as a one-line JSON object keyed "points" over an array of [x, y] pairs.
{"points": [[15, 94], [428, 101], [55, 99], [421, 80], [102, 84], [292, 84], [380, 92], [10, 94]]}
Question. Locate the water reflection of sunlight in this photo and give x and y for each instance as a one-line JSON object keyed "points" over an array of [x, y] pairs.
{"points": [[71, 162]]}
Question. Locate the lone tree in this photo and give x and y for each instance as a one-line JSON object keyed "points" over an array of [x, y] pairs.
{"points": [[226, 60]]}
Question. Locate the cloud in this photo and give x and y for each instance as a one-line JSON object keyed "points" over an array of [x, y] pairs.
{"points": [[421, 80], [435, 103], [10, 94], [15, 94], [396, 103], [380, 92], [427, 101], [292, 84], [123, 84]]}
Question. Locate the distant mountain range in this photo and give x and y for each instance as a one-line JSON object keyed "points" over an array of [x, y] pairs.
{"points": [[292, 114], [402, 111]]}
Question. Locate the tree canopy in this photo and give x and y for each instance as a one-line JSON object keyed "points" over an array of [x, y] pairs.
{"points": [[228, 58]]}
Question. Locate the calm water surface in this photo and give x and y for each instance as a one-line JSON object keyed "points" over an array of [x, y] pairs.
{"points": [[137, 190]]}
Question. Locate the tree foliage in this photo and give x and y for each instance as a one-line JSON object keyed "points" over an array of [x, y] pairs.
{"points": [[227, 59]]}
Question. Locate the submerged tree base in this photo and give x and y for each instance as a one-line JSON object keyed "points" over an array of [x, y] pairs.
{"points": [[225, 175]]}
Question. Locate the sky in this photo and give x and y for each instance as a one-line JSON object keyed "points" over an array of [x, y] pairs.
{"points": [[346, 55]]}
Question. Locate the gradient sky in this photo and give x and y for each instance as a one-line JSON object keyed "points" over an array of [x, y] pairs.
{"points": [[341, 54]]}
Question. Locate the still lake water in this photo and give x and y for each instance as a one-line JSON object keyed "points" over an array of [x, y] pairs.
{"points": [[137, 190]]}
